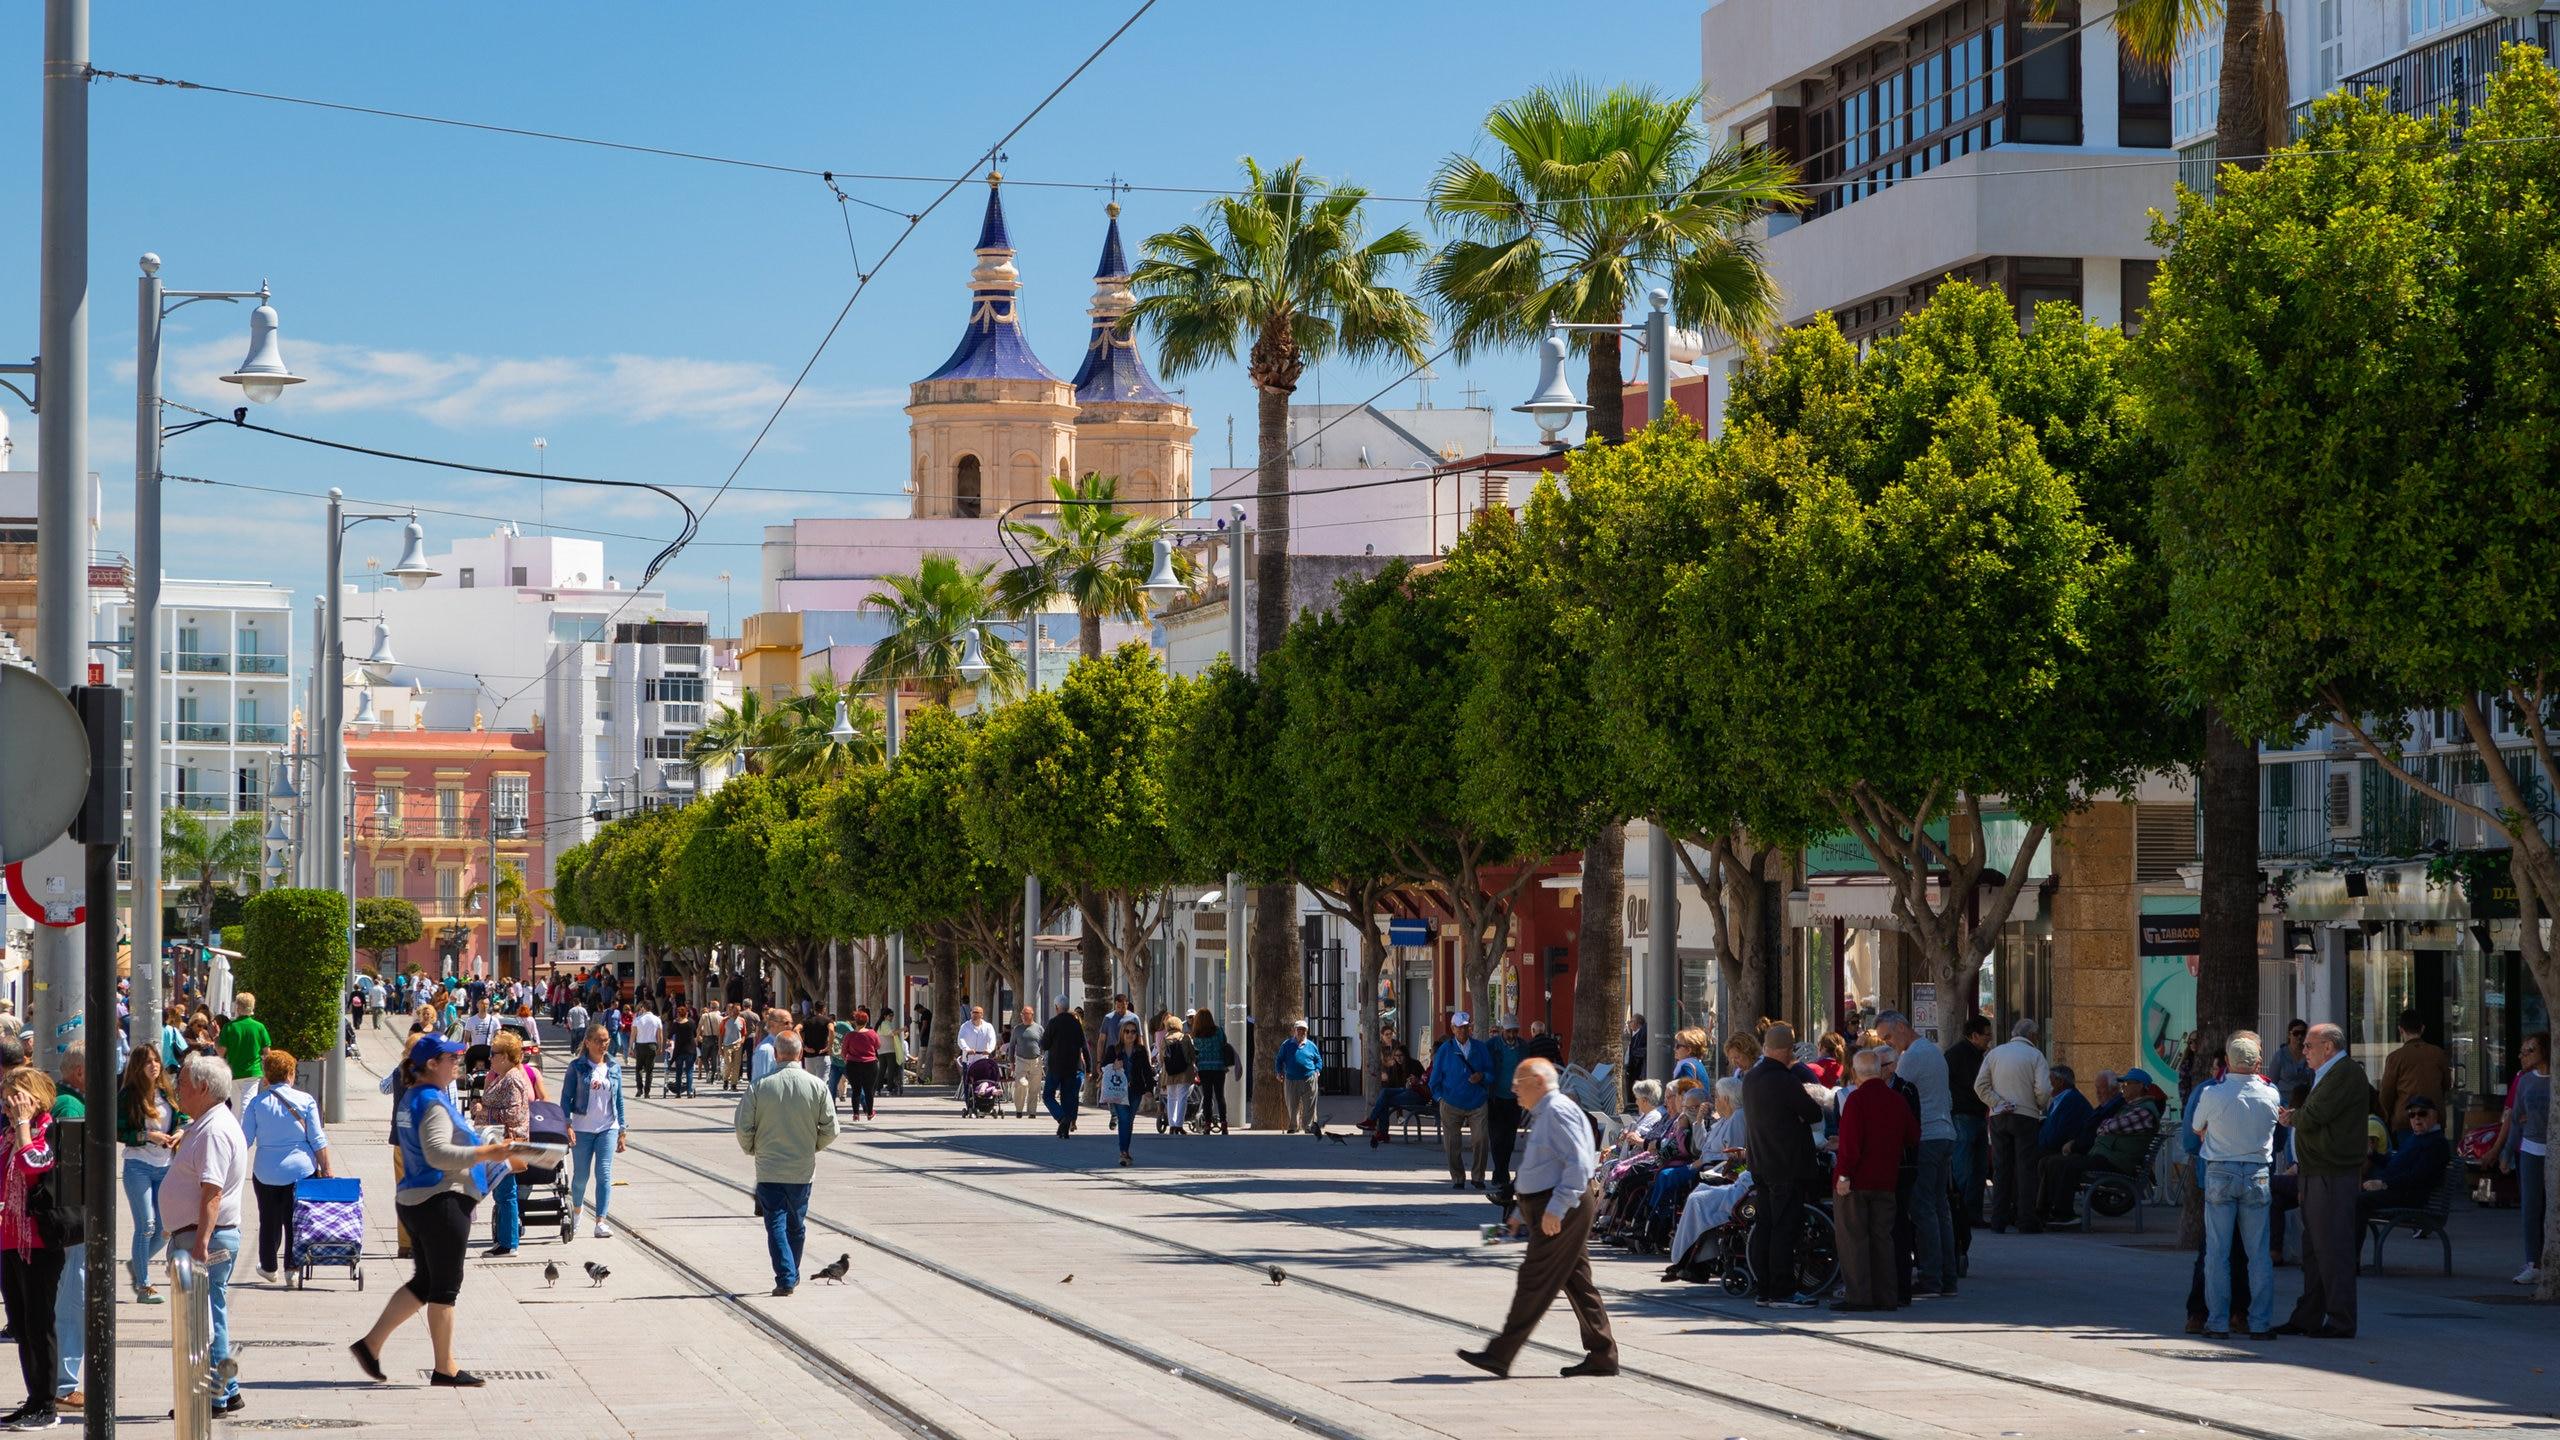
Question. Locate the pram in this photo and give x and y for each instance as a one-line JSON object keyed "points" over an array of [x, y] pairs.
{"points": [[542, 1191], [328, 1228], [982, 1087]]}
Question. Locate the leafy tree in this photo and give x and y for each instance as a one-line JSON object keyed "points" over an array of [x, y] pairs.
{"points": [[732, 880], [294, 959], [1287, 274], [515, 901], [930, 616], [1093, 552], [740, 736], [2351, 359], [384, 923], [205, 855]]}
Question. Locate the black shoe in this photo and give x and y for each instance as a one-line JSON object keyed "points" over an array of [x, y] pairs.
{"points": [[2291, 1327], [2334, 1332], [460, 1379], [1477, 1183], [1483, 1360], [14, 1416], [779, 1291], [2262, 1334], [2212, 1334], [44, 1418], [366, 1359], [233, 1406], [1589, 1366]]}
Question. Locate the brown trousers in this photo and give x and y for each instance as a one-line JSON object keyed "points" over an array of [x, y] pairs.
{"points": [[1561, 1261], [1866, 1247]]}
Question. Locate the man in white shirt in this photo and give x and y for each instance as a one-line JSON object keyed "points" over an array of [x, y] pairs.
{"points": [[2016, 1083], [977, 1041], [481, 1025], [200, 1199], [646, 1027], [577, 1024], [2236, 1115]]}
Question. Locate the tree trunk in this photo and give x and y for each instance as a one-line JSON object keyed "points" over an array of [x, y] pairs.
{"points": [[2240, 127], [2227, 960], [943, 965], [1089, 633], [1096, 955], [1600, 979], [1279, 996], [1373, 960], [1606, 388], [1279, 989]]}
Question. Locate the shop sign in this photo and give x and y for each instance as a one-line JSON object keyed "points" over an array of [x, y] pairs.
{"points": [[1408, 932], [2172, 934]]}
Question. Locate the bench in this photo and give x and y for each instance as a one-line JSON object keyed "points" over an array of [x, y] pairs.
{"points": [[2427, 1221], [1415, 1120], [2130, 1187]]}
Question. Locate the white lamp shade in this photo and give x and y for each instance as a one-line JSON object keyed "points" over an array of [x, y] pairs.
{"points": [[842, 731], [275, 831], [1161, 584], [973, 657], [1554, 406], [364, 718], [381, 659], [284, 788], [413, 569], [263, 376]]}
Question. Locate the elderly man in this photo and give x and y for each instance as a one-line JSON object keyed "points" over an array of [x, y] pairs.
{"points": [[784, 1120], [1923, 1067], [1024, 1087], [2236, 1116], [200, 1200], [976, 1041], [1876, 1127], [1300, 1064], [1460, 1069], [2328, 1152], [2125, 1126], [2416, 1165], [2015, 1086], [1559, 1197], [1780, 1112]]}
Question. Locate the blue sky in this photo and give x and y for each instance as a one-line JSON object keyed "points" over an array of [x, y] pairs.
{"points": [[457, 294]]}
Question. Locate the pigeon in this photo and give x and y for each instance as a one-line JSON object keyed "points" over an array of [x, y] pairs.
{"points": [[1068, 1280], [550, 1274], [1278, 1275], [1336, 1139], [836, 1272], [596, 1273]]}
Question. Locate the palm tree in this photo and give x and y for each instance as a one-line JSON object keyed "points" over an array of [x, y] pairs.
{"points": [[743, 735], [1594, 194], [1284, 270], [806, 745], [516, 902], [930, 616], [193, 851], [1095, 553]]}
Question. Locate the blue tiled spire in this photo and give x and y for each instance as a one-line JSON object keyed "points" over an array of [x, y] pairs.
{"points": [[1112, 370], [992, 347]]}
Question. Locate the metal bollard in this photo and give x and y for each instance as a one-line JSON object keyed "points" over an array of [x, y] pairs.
{"points": [[191, 1348]]}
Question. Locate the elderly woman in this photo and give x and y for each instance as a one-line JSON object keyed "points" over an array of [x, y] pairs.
{"points": [[446, 1168], [287, 1145], [1711, 1206], [506, 1105]]}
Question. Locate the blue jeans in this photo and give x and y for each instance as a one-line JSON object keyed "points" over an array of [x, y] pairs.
{"points": [[1970, 1171], [1123, 1119], [1059, 1090], [1933, 1220], [591, 1153], [786, 1228], [71, 1319], [222, 1252], [506, 1214], [142, 1202], [835, 1078], [680, 1071], [2235, 1198], [1395, 1097]]}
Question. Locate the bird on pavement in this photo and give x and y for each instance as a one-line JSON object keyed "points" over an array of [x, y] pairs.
{"points": [[550, 1274], [1336, 1139], [596, 1273], [836, 1272], [1278, 1275], [1068, 1280]]}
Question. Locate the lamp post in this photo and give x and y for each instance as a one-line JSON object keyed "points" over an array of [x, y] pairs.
{"points": [[412, 572], [974, 668], [1554, 407], [262, 376]]}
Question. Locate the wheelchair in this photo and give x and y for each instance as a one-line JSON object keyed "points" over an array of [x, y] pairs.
{"points": [[1723, 1255]]}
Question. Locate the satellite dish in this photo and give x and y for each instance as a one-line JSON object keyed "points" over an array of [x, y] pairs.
{"points": [[2513, 9], [44, 768]]}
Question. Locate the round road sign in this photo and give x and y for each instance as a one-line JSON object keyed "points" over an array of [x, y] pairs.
{"points": [[44, 764]]}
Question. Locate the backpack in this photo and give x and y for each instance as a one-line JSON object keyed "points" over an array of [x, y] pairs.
{"points": [[54, 1200]]}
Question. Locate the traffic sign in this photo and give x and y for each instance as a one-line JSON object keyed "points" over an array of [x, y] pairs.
{"points": [[44, 767], [50, 886]]}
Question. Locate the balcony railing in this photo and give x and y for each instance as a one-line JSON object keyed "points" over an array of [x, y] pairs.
{"points": [[198, 664], [199, 732], [205, 804], [253, 734], [261, 665]]}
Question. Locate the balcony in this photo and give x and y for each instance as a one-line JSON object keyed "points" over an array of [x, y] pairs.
{"points": [[261, 665], [193, 663], [199, 732], [205, 804], [253, 734]]}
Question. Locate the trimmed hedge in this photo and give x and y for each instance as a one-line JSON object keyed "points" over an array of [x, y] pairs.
{"points": [[294, 962]]}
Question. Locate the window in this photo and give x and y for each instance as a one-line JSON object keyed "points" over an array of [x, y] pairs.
{"points": [[2142, 104], [1886, 117], [449, 811], [2329, 44], [2046, 107], [469, 578], [386, 881], [576, 629], [672, 687], [2035, 279], [510, 794], [2195, 86], [664, 747], [965, 497], [2138, 275], [515, 576], [2426, 17], [604, 698], [448, 889]]}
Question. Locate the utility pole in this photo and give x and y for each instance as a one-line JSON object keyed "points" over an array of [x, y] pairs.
{"points": [[492, 891], [1030, 879], [1662, 878], [62, 462], [1239, 959]]}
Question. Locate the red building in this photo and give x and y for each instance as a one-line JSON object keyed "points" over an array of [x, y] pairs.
{"points": [[427, 811]]}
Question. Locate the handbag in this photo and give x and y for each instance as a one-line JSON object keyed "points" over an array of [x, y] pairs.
{"points": [[1115, 1084]]}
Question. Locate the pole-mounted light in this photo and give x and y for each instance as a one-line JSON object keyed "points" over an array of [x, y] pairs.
{"points": [[263, 376]]}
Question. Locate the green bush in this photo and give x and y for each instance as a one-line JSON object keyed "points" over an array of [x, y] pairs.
{"points": [[294, 962], [232, 938]]}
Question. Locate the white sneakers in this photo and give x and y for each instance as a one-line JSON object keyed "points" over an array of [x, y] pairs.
{"points": [[2529, 1275], [270, 1276], [603, 1231]]}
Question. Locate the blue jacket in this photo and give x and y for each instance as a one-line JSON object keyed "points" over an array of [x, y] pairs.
{"points": [[1453, 1068], [2416, 1167], [1507, 1054], [2070, 1121], [574, 1086], [1300, 1059]]}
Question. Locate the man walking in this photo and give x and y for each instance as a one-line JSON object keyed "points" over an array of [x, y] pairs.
{"points": [[1923, 1067], [1876, 1127], [2417, 1069], [2015, 1085], [1501, 1108], [1459, 1070], [1778, 1116], [1299, 1065], [2236, 1116], [1972, 1125], [646, 1027], [977, 1041], [1025, 1047], [784, 1121], [2328, 1151], [1062, 1058], [200, 1202], [1559, 1196]]}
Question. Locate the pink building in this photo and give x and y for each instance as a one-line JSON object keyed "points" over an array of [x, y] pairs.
{"points": [[427, 811]]}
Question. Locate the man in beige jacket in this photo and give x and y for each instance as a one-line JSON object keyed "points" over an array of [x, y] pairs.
{"points": [[784, 1120]]}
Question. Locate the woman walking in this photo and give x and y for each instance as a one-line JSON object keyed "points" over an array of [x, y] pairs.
{"points": [[1134, 1078], [592, 1094], [862, 1065], [506, 1107], [893, 1060], [31, 1243], [2524, 1146], [1211, 1057], [282, 1126], [445, 1169], [682, 1034], [148, 1124], [1178, 1062]]}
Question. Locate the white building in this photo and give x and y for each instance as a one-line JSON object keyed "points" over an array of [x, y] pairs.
{"points": [[224, 672]]}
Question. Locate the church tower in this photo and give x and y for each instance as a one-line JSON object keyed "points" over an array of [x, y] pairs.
{"points": [[990, 427], [1126, 425]]}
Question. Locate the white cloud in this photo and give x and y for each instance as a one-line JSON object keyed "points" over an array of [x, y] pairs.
{"points": [[464, 390]]}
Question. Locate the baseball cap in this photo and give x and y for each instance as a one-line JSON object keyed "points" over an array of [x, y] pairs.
{"points": [[1461, 1017], [1297, 1024], [2137, 1077], [1510, 1022], [433, 1046]]}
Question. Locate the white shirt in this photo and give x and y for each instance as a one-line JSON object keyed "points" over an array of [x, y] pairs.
{"points": [[2015, 1079], [598, 1113], [214, 1153], [644, 1030], [480, 1029], [577, 1024], [977, 1037], [2236, 1115]]}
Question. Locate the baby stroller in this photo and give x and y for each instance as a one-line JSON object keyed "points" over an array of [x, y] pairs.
{"points": [[542, 1191], [328, 1228], [981, 1088]]}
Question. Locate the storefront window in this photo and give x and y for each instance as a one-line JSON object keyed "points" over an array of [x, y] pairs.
{"points": [[2381, 982]]}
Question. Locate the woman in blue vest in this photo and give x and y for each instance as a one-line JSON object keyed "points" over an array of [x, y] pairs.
{"points": [[444, 1170]]}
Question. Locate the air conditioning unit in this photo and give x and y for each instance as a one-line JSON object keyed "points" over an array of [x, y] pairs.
{"points": [[2346, 804]]}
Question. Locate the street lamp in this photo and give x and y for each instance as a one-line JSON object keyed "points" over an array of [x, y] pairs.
{"points": [[1162, 583], [1553, 407], [842, 731], [262, 376]]}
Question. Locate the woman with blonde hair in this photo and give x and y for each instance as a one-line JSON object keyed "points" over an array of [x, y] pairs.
{"points": [[287, 1146], [506, 1105], [1689, 1055]]}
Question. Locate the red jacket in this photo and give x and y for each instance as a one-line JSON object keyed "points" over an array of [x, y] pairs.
{"points": [[1875, 1128]]}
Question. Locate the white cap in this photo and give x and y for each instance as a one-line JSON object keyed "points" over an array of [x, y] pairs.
{"points": [[1297, 1024], [1461, 1018]]}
